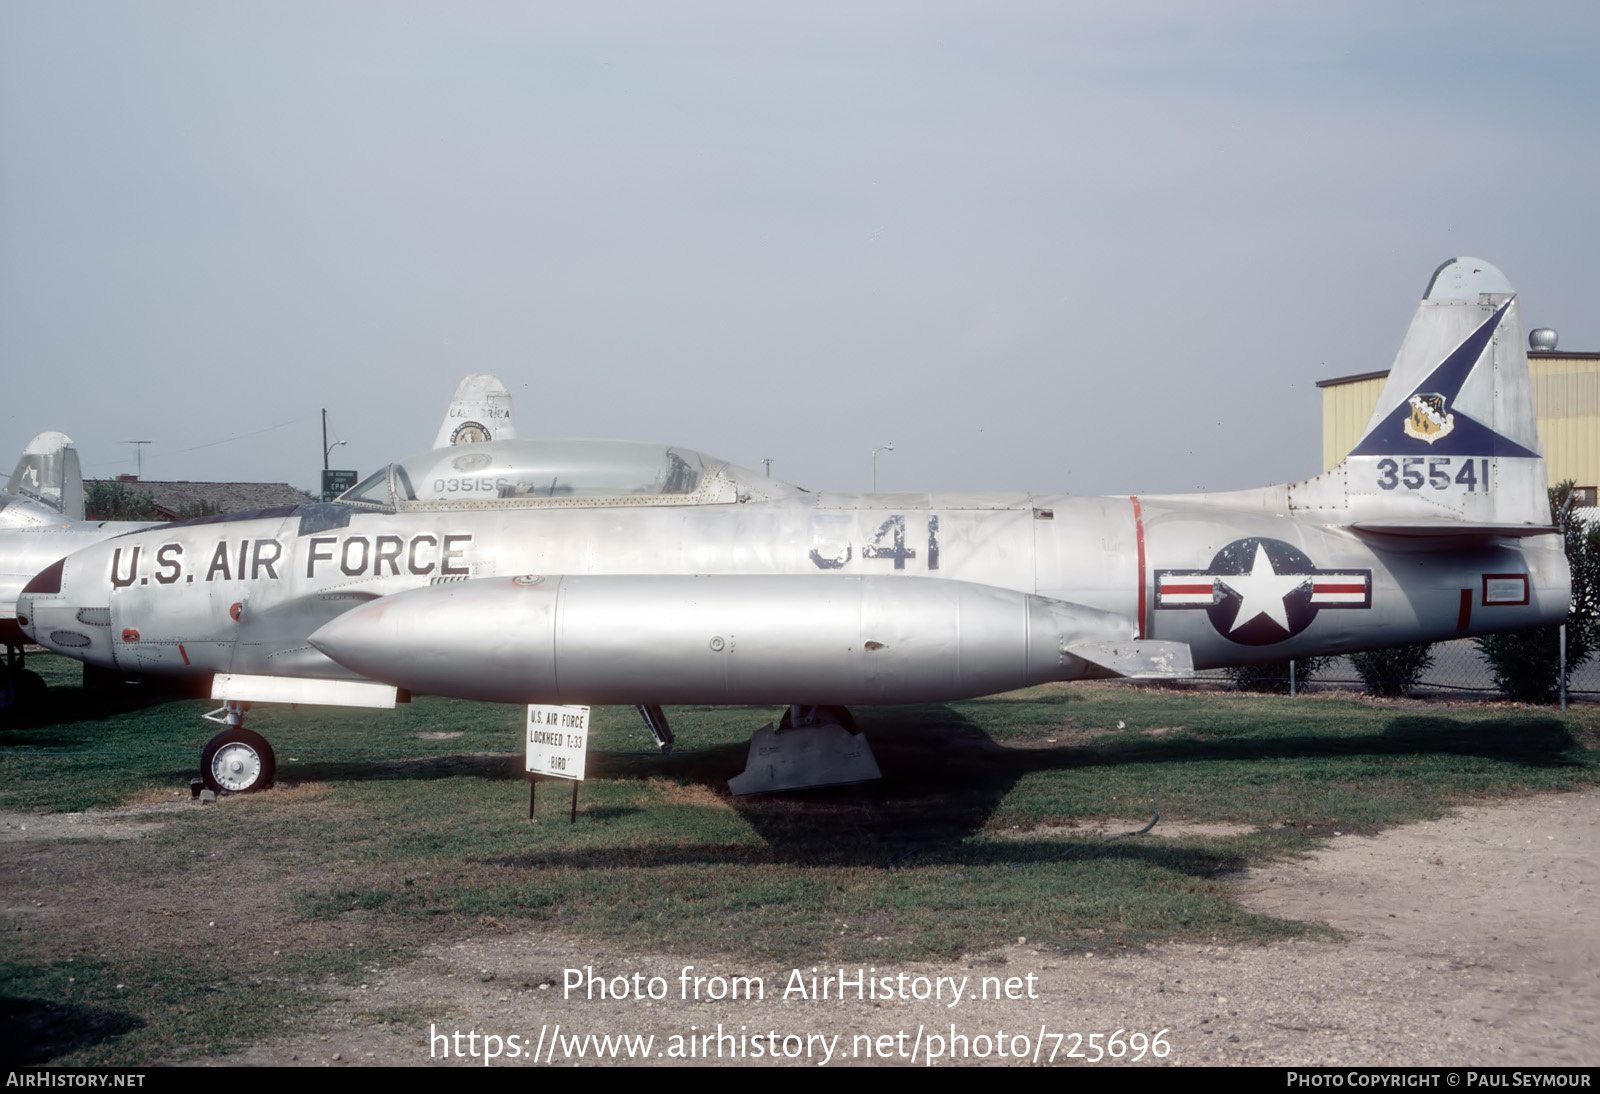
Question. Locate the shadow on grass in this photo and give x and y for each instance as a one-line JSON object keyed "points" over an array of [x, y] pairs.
{"points": [[55, 723], [857, 852], [36, 1031], [1537, 742], [494, 767], [713, 766], [945, 777]]}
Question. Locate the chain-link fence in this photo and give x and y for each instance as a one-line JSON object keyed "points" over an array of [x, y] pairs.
{"points": [[1457, 669]]}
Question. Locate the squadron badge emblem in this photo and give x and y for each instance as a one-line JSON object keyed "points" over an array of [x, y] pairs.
{"points": [[1428, 420], [470, 433]]}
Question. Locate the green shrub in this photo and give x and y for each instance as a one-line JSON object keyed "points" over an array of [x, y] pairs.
{"points": [[117, 501], [1526, 664], [1272, 677], [1394, 671]]}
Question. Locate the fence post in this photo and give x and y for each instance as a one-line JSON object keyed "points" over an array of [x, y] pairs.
{"points": [[1291, 676], [1563, 666]]}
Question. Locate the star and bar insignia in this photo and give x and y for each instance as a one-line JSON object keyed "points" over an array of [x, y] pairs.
{"points": [[1260, 591]]}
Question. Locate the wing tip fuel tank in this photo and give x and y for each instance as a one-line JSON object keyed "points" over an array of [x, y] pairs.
{"points": [[722, 639]]}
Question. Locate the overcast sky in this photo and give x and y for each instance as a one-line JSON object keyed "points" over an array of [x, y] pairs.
{"points": [[1055, 247]]}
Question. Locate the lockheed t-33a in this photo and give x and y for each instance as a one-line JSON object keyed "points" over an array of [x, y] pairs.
{"points": [[537, 571]]}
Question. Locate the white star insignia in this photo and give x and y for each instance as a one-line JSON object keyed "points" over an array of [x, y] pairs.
{"points": [[1262, 591]]}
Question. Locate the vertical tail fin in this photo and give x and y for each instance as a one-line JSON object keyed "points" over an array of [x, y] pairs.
{"points": [[49, 473], [1453, 440], [480, 411]]}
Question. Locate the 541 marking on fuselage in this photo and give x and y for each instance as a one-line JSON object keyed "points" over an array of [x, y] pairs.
{"points": [[888, 543]]}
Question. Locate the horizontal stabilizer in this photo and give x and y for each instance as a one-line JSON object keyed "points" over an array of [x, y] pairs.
{"points": [[1445, 527], [1138, 659]]}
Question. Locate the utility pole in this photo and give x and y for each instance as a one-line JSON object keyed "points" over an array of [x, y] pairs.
{"points": [[767, 463], [139, 448], [326, 447]]}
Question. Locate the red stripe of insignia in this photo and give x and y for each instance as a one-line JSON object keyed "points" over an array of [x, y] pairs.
{"points": [[1359, 588], [1168, 589]]}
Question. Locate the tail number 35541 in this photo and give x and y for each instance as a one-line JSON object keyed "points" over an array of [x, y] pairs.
{"points": [[1436, 472]]}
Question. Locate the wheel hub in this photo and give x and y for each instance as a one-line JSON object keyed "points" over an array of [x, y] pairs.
{"points": [[236, 767]]}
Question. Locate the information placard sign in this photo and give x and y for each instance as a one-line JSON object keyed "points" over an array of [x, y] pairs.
{"points": [[558, 740], [336, 482]]}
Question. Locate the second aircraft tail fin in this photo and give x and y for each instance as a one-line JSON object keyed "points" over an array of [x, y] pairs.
{"points": [[49, 473], [480, 411]]}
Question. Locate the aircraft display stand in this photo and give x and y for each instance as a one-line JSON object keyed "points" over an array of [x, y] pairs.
{"points": [[811, 746]]}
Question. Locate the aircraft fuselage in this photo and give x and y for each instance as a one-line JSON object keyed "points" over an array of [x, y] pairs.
{"points": [[1232, 576]]}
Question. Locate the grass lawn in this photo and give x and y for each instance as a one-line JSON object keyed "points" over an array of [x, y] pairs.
{"points": [[388, 831]]}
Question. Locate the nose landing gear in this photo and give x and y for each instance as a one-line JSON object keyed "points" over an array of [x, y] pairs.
{"points": [[237, 760]]}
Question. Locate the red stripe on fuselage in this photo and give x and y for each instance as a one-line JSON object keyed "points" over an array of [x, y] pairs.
{"points": [[1138, 531]]}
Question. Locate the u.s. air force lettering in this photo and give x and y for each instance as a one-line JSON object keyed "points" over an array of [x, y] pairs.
{"points": [[1260, 591], [422, 555]]}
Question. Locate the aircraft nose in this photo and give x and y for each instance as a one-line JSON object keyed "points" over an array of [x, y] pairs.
{"points": [[68, 616], [46, 582]]}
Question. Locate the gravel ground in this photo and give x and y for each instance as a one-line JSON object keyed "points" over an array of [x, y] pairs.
{"points": [[1468, 940]]}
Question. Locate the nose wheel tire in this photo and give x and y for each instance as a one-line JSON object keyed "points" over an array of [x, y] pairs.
{"points": [[23, 689], [237, 761]]}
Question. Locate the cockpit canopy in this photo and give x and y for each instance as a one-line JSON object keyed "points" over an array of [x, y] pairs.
{"points": [[519, 474]]}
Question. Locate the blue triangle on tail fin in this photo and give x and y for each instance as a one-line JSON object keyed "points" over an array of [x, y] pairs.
{"points": [[1444, 431]]}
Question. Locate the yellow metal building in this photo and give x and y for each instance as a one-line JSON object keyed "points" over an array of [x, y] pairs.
{"points": [[1566, 395]]}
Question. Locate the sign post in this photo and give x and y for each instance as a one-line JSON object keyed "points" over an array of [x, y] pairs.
{"points": [[558, 745]]}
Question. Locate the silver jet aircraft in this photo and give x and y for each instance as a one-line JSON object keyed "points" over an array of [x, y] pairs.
{"points": [[41, 521], [607, 572]]}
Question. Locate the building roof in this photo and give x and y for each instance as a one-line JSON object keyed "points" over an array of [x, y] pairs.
{"points": [[1533, 355], [228, 497]]}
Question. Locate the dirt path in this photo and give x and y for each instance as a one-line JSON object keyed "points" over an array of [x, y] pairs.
{"points": [[1472, 939]]}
